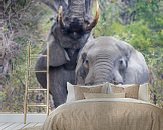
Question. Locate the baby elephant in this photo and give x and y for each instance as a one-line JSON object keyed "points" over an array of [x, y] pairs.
{"points": [[107, 59]]}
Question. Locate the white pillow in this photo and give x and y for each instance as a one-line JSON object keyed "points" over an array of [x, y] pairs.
{"points": [[144, 92], [71, 94]]}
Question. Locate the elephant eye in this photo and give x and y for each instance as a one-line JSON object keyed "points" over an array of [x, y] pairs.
{"points": [[120, 62], [86, 63]]}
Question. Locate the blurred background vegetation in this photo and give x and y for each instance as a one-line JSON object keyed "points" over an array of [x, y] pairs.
{"points": [[138, 22]]}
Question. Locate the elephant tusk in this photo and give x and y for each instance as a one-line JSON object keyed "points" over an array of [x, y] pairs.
{"points": [[95, 21], [60, 17]]}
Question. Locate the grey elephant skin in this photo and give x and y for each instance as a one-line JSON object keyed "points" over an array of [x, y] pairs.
{"points": [[107, 59], [68, 35]]}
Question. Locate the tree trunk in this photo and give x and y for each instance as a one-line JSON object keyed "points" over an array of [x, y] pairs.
{"points": [[2, 49]]}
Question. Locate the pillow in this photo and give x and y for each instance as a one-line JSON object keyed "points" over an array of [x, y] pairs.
{"points": [[79, 91], [131, 91], [70, 95], [144, 92], [71, 92], [103, 95]]}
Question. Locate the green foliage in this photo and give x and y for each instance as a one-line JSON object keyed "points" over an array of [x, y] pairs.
{"points": [[145, 33], [142, 33], [32, 27], [2, 96]]}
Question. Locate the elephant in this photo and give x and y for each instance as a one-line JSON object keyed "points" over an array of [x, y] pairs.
{"points": [[107, 59], [69, 33]]}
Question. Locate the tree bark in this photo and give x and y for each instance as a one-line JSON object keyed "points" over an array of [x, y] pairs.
{"points": [[1, 41], [5, 47]]}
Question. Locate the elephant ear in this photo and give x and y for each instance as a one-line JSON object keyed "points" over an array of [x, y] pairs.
{"points": [[137, 70], [125, 48], [80, 72], [57, 54]]}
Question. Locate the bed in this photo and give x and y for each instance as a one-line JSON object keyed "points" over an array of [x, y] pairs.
{"points": [[106, 114], [106, 107]]}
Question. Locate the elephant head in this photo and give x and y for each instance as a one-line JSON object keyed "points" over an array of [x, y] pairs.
{"points": [[75, 19], [107, 59], [71, 30]]}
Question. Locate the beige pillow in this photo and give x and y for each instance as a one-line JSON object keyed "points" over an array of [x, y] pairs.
{"points": [[103, 95], [144, 93], [79, 91], [131, 91], [71, 94]]}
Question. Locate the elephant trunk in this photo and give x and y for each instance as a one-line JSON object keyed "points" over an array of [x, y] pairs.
{"points": [[103, 70], [76, 10]]}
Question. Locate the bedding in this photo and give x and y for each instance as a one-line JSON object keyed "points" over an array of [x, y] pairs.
{"points": [[103, 95], [131, 91], [105, 114]]}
